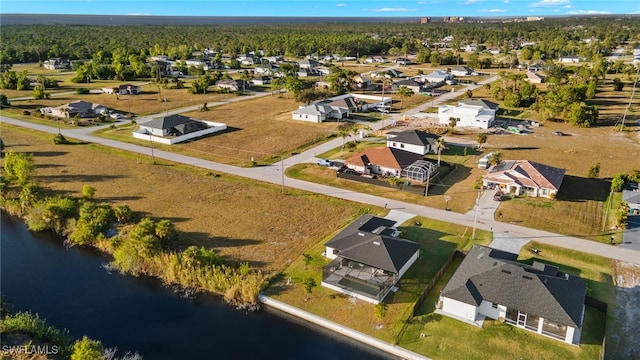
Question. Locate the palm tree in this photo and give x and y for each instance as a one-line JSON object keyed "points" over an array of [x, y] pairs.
{"points": [[438, 146], [481, 138], [404, 91], [496, 158]]}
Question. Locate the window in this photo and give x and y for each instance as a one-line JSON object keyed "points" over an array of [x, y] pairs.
{"points": [[394, 144], [402, 146]]}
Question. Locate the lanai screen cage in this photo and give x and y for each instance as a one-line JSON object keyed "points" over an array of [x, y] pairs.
{"points": [[419, 170]]}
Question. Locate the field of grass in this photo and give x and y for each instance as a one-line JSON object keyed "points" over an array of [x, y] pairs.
{"points": [[440, 337], [438, 240], [242, 219]]}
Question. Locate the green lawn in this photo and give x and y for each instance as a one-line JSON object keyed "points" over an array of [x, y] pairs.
{"points": [[439, 337], [438, 240]]}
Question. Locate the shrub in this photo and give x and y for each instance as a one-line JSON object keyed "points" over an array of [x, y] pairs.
{"points": [[594, 171], [26, 113], [59, 139], [82, 91]]}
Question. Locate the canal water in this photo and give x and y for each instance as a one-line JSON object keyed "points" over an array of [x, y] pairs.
{"points": [[69, 287]]}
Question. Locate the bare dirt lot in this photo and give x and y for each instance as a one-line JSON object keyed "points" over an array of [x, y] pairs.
{"points": [[242, 219]]}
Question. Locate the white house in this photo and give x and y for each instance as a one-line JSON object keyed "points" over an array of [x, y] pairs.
{"points": [[368, 259], [414, 141], [437, 77], [57, 63], [523, 177], [569, 59], [462, 71], [471, 48], [467, 115], [316, 113], [490, 283], [123, 89]]}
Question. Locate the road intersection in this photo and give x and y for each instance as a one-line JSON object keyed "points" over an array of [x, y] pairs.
{"points": [[273, 174]]}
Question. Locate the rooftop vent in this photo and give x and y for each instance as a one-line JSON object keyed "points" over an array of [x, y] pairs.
{"points": [[506, 271], [360, 234], [376, 243], [527, 277]]}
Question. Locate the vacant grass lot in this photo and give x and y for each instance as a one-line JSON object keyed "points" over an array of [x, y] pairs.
{"points": [[259, 128], [243, 220], [438, 240], [440, 337]]}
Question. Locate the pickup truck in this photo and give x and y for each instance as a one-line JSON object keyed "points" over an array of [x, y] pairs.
{"points": [[324, 162]]}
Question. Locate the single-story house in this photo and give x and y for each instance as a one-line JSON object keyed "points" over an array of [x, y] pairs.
{"points": [[262, 80], [362, 81], [176, 128], [414, 141], [534, 67], [402, 61], [632, 198], [316, 113], [523, 177], [462, 71], [476, 116], [570, 59], [308, 64], [382, 161], [415, 86], [233, 85], [368, 259], [437, 77], [539, 298], [57, 63], [534, 78], [471, 48], [123, 89], [77, 108], [375, 59], [395, 73]]}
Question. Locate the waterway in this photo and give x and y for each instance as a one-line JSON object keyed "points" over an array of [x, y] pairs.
{"points": [[70, 288]]}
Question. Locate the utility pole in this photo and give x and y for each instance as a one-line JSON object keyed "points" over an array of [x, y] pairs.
{"points": [[153, 158], [282, 171], [475, 217]]}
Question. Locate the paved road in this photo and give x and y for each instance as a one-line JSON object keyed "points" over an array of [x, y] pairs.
{"points": [[631, 235], [273, 174]]}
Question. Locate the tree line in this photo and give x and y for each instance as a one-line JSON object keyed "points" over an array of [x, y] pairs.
{"points": [[553, 37]]}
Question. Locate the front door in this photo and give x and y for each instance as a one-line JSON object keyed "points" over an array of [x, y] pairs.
{"points": [[522, 319]]}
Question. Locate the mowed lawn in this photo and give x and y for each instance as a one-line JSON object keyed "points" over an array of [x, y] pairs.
{"points": [[438, 241], [458, 185], [441, 337], [242, 219]]}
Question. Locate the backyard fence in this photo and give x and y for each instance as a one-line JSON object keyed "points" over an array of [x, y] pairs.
{"points": [[434, 281]]}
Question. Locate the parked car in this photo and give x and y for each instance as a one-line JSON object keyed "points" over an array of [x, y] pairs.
{"points": [[324, 162], [498, 196], [557, 133], [115, 115], [451, 81]]}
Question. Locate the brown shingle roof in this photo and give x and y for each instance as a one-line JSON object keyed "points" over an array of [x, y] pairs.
{"points": [[385, 157]]}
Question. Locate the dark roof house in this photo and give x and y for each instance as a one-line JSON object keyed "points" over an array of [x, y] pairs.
{"points": [[415, 141], [538, 297], [368, 260]]}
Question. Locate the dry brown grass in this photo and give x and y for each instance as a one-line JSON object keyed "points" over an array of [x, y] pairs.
{"points": [[260, 128], [242, 219]]}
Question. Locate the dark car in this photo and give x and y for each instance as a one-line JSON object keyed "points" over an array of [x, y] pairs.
{"points": [[498, 196], [557, 133]]}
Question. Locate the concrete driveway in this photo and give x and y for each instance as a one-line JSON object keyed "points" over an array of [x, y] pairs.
{"points": [[631, 235], [486, 206]]}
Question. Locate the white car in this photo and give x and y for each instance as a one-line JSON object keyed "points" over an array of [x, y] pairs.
{"points": [[116, 116]]}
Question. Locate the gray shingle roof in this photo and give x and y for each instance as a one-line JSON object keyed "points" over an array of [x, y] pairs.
{"points": [[168, 122], [632, 197], [481, 102], [416, 137], [495, 276], [367, 240]]}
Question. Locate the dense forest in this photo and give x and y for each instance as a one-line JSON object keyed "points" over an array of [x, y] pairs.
{"points": [[553, 37]]}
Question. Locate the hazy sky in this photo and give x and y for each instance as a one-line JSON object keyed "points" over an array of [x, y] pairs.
{"points": [[348, 8]]}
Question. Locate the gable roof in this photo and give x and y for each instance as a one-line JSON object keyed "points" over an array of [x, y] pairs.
{"points": [[407, 82], [367, 240], [481, 102], [526, 173], [365, 223], [494, 276], [167, 122], [385, 157], [415, 137], [314, 109], [632, 197]]}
